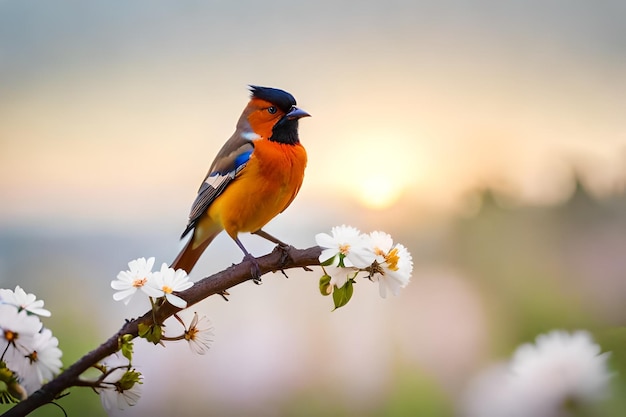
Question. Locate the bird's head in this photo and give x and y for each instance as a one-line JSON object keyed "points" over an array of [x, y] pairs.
{"points": [[272, 114]]}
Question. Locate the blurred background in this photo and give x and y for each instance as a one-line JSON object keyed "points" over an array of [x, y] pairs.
{"points": [[487, 137]]}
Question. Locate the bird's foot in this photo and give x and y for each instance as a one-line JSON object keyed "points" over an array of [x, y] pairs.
{"points": [[284, 252], [284, 249], [224, 294], [255, 270], [285, 256]]}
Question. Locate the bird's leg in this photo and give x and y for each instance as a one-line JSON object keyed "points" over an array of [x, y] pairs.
{"points": [[255, 271], [269, 237]]}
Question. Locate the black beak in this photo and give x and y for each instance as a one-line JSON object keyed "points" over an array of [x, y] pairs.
{"points": [[296, 113]]}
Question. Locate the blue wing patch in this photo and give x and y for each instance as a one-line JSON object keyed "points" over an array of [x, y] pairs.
{"points": [[237, 163], [242, 158]]}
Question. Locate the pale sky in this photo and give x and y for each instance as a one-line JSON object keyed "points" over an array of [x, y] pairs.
{"points": [[112, 112]]}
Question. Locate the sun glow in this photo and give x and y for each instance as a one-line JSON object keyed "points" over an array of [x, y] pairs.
{"points": [[377, 168], [379, 191]]}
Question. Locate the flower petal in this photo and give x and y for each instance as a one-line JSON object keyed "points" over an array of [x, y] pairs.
{"points": [[121, 295], [176, 301], [324, 240]]}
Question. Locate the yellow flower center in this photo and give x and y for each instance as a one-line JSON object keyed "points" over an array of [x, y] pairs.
{"points": [[191, 334], [10, 336], [344, 249], [379, 252], [139, 282], [167, 290], [392, 259]]}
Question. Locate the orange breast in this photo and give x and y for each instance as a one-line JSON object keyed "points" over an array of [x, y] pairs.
{"points": [[266, 186]]}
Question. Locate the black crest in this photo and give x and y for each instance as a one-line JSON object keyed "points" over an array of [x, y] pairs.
{"points": [[282, 99]]}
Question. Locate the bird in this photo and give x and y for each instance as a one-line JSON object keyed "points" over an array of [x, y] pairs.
{"points": [[255, 176]]}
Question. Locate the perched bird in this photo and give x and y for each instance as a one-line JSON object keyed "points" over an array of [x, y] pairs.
{"points": [[255, 176]]}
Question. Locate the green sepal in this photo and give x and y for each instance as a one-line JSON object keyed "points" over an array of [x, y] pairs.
{"points": [[7, 398], [341, 258], [328, 261], [342, 295], [13, 392], [325, 287], [126, 346], [152, 333], [129, 379]]}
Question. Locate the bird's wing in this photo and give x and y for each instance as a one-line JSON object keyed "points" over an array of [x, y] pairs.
{"points": [[230, 161]]}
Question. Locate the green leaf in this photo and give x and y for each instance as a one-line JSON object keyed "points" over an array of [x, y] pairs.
{"points": [[325, 287], [126, 346], [342, 295], [151, 333]]}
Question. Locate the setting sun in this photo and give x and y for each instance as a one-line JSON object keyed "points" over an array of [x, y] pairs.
{"points": [[379, 191], [373, 170]]}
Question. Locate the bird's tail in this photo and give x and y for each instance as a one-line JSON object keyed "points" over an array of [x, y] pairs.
{"points": [[190, 254]]}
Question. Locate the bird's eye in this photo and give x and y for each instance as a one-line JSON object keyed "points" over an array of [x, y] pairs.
{"points": [[271, 110]]}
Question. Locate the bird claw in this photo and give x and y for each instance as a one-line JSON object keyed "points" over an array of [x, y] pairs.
{"points": [[283, 248], [284, 252], [255, 270], [224, 294]]}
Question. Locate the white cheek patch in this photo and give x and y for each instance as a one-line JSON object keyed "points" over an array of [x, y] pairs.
{"points": [[250, 136]]}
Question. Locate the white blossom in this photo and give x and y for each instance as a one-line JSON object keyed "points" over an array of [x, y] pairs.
{"points": [[560, 367], [543, 379], [43, 361], [137, 277], [121, 387], [339, 276], [344, 247], [17, 335], [167, 280], [23, 301], [199, 335], [393, 264]]}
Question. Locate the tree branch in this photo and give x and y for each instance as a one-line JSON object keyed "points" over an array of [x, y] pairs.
{"points": [[278, 259]]}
